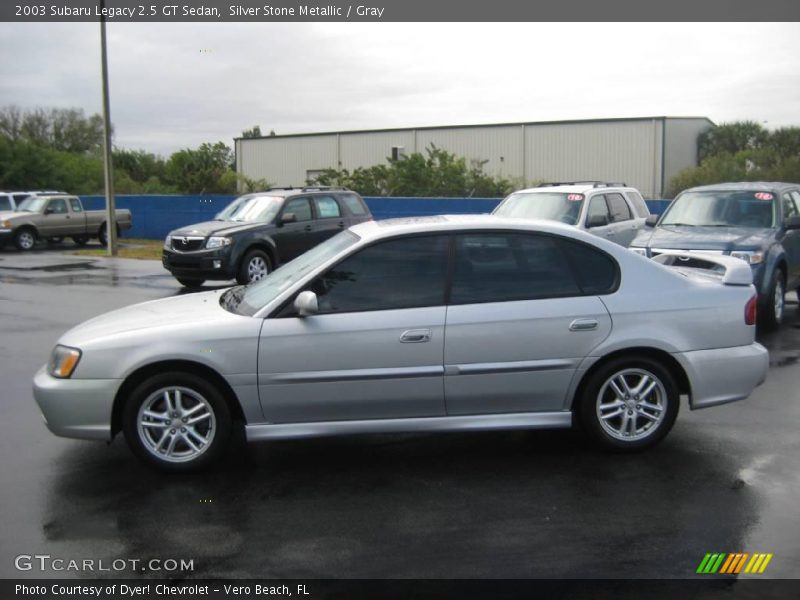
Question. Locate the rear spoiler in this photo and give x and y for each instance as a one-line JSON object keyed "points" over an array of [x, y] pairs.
{"points": [[737, 272]]}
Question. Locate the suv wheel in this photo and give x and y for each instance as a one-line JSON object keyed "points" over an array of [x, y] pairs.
{"points": [[629, 404], [774, 303], [25, 239], [177, 422], [255, 266]]}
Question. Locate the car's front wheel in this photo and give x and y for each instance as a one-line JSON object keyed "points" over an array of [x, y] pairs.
{"points": [[255, 266], [629, 404], [774, 304], [25, 239], [177, 422]]}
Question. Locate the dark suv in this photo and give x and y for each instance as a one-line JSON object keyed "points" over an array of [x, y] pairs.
{"points": [[258, 232], [758, 222]]}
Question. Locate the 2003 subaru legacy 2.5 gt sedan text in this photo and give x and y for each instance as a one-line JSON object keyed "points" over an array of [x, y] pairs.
{"points": [[439, 323]]}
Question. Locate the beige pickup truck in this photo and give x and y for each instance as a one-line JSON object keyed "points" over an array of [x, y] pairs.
{"points": [[52, 218]]}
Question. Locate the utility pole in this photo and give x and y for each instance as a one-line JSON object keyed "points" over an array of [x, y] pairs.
{"points": [[111, 221]]}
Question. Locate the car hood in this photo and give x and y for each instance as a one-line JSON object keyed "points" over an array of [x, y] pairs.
{"points": [[208, 228], [168, 313], [703, 238], [8, 214]]}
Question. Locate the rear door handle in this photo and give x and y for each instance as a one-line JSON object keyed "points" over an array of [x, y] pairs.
{"points": [[583, 325], [415, 336]]}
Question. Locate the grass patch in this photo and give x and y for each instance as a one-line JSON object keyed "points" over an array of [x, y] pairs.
{"points": [[127, 248]]}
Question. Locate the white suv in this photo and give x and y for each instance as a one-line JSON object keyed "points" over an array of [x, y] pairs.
{"points": [[614, 211]]}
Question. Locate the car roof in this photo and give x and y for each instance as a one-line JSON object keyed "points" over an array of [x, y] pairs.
{"points": [[743, 186], [576, 188], [371, 230], [292, 191]]}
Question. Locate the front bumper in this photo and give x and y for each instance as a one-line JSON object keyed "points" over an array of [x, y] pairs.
{"points": [[5, 236], [76, 408], [724, 375], [200, 264]]}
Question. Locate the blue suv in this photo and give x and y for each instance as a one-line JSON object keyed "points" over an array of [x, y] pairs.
{"points": [[757, 222]]}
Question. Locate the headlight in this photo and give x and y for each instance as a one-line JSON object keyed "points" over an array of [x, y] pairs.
{"points": [[218, 242], [751, 258], [168, 242], [63, 361], [641, 251]]}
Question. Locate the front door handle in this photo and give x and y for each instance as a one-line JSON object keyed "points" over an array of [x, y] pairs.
{"points": [[341, 224], [307, 228], [583, 325], [415, 336]]}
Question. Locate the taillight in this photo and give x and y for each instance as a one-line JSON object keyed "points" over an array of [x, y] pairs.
{"points": [[750, 311]]}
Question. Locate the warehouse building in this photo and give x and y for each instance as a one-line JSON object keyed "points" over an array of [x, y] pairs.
{"points": [[643, 152]]}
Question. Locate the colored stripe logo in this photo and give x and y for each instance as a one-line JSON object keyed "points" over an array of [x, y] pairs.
{"points": [[734, 563]]}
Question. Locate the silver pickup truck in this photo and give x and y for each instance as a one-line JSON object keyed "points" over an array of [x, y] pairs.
{"points": [[54, 217]]}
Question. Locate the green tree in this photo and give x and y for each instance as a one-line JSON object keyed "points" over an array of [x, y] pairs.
{"points": [[253, 132], [203, 170], [731, 138]]}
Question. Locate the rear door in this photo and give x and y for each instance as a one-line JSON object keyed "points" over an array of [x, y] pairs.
{"points": [[523, 313], [329, 218], [791, 240], [622, 217]]}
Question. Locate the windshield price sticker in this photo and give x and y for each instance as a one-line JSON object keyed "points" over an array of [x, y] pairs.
{"points": [[763, 196], [574, 197]]}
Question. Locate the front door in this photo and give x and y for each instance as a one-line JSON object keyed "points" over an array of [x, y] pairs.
{"points": [[524, 313], [295, 237], [373, 351]]}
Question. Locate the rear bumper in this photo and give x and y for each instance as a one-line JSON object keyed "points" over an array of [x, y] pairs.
{"points": [[76, 408], [724, 375], [200, 265]]}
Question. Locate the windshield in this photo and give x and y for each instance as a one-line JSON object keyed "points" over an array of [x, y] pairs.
{"points": [[262, 292], [251, 208], [542, 205], [32, 204], [722, 209]]}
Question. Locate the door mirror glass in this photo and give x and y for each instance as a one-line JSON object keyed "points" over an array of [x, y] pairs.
{"points": [[596, 221], [651, 221], [49, 211], [306, 303], [288, 218]]}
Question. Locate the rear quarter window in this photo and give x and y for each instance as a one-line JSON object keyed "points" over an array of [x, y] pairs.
{"points": [[354, 204], [595, 271]]}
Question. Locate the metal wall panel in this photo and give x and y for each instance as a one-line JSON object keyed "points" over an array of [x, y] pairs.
{"points": [[372, 148], [628, 151], [680, 146], [286, 161]]}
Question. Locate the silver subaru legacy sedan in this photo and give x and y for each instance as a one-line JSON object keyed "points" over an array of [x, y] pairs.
{"points": [[427, 324]]}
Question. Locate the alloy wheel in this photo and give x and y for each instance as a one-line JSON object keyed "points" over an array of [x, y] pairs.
{"points": [[631, 404]]}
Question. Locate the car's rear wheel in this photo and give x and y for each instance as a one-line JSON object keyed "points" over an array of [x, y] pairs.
{"points": [[177, 422], [189, 282], [25, 239], [774, 304], [629, 404], [255, 266], [102, 234]]}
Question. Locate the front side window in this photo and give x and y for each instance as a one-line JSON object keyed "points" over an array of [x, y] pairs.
{"points": [[402, 273], [299, 207], [598, 209], [57, 206], [76, 205], [503, 267], [789, 207], [327, 207], [618, 208]]}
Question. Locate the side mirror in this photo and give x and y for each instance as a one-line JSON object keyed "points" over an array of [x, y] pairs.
{"points": [[793, 222], [288, 218], [306, 303], [596, 221], [651, 221], [48, 211]]}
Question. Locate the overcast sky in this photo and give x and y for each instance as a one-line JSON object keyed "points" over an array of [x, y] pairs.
{"points": [[178, 85]]}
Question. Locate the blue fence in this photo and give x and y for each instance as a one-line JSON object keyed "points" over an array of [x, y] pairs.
{"points": [[155, 216]]}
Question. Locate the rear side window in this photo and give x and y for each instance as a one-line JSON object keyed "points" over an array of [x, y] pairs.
{"points": [[327, 207], [5, 203], [355, 205], [503, 267], [76, 205], [403, 273], [618, 207]]}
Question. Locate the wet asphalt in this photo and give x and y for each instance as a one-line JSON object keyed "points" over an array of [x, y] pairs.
{"points": [[493, 505]]}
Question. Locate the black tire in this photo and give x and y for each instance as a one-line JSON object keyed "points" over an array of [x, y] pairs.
{"points": [[190, 283], [771, 311], [25, 239], [651, 425], [254, 266], [56, 239], [178, 454], [81, 240]]}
